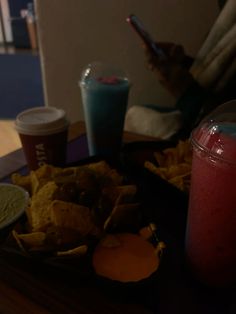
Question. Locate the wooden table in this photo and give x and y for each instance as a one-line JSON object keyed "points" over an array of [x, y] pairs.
{"points": [[29, 287], [16, 160]]}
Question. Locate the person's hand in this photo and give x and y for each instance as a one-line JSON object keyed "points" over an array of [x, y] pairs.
{"points": [[173, 70]]}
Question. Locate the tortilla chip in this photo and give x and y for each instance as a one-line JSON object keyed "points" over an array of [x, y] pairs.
{"points": [[57, 236], [35, 184], [18, 241], [30, 240], [71, 216], [47, 171], [44, 174], [40, 215], [22, 181], [33, 239], [103, 169], [160, 248], [77, 251], [181, 169], [100, 167], [160, 171]]}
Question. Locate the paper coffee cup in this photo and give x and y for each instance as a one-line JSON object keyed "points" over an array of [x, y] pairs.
{"points": [[43, 134]]}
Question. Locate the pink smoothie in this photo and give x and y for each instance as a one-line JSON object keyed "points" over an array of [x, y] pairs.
{"points": [[211, 225]]}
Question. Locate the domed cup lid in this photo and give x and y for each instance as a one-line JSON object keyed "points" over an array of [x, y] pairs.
{"points": [[216, 133]]}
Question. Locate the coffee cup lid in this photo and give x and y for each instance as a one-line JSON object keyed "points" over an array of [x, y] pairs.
{"points": [[41, 121]]}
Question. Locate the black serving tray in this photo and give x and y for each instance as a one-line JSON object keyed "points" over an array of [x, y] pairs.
{"points": [[173, 290]]}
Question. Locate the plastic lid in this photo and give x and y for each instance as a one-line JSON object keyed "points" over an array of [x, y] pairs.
{"points": [[103, 73], [41, 121], [216, 134]]}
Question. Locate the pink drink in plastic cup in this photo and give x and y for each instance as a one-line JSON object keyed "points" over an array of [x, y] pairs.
{"points": [[211, 224]]}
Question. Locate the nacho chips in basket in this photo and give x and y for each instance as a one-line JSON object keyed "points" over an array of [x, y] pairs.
{"points": [[72, 207], [174, 165]]}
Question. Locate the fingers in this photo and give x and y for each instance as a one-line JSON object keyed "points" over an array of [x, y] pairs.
{"points": [[152, 60], [176, 52], [170, 71], [174, 55]]}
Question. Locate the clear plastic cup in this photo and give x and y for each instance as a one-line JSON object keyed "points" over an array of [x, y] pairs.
{"points": [[211, 223], [105, 90], [43, 134]]}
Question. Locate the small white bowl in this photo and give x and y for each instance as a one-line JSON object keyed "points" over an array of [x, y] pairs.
{"points": [[13, 203]]}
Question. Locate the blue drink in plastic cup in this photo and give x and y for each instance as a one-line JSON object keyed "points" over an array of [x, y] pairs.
{"points": [[105, 91]]}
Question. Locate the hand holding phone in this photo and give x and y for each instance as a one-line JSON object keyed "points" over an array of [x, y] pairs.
{"points": [[144, 35]]}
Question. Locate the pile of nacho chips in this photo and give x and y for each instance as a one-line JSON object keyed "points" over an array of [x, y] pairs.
{"points": [[174, 165], [70, 208]]}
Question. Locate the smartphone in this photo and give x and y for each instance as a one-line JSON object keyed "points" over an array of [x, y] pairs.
{"points": [[144, 35]]}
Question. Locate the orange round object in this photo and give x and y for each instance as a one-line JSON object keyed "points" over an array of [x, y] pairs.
{"points": [[125, 257]]}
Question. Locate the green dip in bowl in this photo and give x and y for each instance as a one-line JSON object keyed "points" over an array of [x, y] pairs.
{"points": [[13, 203]]}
